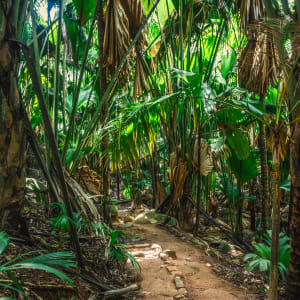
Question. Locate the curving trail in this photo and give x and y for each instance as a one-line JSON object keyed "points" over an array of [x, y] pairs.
{"points": [[190, 270]]}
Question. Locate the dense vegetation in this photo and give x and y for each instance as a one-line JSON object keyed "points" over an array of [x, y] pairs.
{"points": [[195, 103]]}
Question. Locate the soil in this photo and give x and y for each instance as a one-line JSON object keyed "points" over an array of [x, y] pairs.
{"points": [[191, 265]]}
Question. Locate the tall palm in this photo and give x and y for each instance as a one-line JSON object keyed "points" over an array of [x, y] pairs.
{"points": [[293, 94], [258, 69], [275, 29]]}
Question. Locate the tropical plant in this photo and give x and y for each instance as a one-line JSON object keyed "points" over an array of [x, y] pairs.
{"points": [[45, 262], [62, 221], [262, 257], [116, 250]]}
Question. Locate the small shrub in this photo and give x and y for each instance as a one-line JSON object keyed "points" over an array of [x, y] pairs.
{"points": [[262, 257], [46, 262]]}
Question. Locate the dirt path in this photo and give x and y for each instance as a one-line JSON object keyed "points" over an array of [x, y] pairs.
{"points": [[192, 268]]}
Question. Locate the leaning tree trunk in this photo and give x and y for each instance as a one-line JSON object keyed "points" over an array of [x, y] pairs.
{"points": [[12, 138], [104, 116]]}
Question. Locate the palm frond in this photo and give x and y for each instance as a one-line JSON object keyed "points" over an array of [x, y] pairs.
{"points": [[206, 161]]}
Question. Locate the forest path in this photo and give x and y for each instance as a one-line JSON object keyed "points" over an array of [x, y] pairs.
{"points": [[192, 268]]}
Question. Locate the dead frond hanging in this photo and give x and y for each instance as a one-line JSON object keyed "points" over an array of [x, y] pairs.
{"points": [[251, 11], [259, 64], [206, 161], [123, 18], [116, 36]]}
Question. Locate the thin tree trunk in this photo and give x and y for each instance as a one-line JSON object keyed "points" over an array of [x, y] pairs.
{"points": [[12, 138], [239, 211], [264, 174], [273, 293], [252, 206], [104, 116], [118, 183], [153, 172], [198, 184], [184, 210], [288, 232]]}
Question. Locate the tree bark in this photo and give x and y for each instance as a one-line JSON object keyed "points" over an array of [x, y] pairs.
{"points": [[198, 183], [293, 281], [294, 268], [264, 175], [12, 138], [238, 233], [252, 206], [153, 172], [104, 116], [273, 293]]}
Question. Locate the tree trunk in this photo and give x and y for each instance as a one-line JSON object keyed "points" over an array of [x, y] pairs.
{"points": [[153, 172], [198, 183], [293, 281], [273, 293], [264, 175], [184, 210], [12, 138], [238, 233], [104, 116], [252, 206]]}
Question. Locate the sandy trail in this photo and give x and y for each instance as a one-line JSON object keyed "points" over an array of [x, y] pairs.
{"points": [[192, 267]]}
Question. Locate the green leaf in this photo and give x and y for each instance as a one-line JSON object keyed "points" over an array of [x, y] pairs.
{"points": [[282, 270], [4, 241], [252, 264], [238, 142], [264, 265], [85, 9], [63, 258], [43, 267], [12, 288], [70, 155], [249, 256], [263, 250], [133, 261], [227, 61], [245, 169], [286, 185]]}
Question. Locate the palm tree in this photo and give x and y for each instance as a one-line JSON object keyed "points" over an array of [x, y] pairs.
{"points": [[278, 22], [12, 138], [258, 69], [104, 116], [294, 97]]}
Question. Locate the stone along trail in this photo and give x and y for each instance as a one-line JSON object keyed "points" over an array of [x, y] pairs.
{"points": [[175, 269]]}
